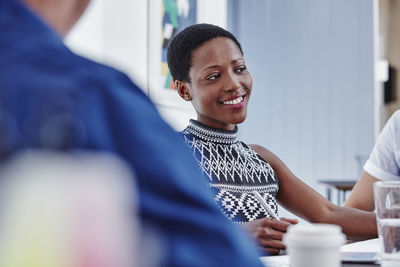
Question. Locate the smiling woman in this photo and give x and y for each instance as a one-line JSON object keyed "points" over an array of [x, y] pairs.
{"points": [[208, 68]]}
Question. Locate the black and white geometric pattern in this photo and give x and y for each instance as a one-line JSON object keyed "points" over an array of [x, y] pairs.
{"points": [[234, 170]]}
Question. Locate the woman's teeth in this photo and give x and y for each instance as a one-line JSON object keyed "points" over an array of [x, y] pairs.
{"points": [[234, 101]]}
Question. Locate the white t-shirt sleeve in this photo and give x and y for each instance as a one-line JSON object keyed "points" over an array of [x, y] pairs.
{"points": [[384, 160]]}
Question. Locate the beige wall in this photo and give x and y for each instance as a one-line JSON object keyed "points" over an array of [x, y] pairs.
{"points": [[389, 28]]}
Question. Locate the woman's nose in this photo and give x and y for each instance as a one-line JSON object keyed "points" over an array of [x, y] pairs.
{"points": [[232, 83]]}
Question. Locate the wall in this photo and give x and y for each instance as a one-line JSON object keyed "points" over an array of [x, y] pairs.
{"points": [[312, 64], [389, 33], [115, 33]]}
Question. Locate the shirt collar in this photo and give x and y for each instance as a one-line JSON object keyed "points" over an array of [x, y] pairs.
{"points": [[211, 134]]}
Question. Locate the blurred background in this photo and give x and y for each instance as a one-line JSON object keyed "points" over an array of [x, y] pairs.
{"points": [[325, 73]]}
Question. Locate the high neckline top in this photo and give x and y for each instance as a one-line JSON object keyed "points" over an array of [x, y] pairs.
{"points": [[211, 134], [233, 171]]}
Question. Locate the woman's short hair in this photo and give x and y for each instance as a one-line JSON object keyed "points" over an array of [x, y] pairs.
{"points": [[181, 47]]}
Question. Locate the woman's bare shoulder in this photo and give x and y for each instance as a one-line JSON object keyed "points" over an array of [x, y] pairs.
{"points": [[266, 154]]}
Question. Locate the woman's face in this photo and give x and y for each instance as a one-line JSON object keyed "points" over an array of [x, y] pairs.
{"points": [[220, 84]]}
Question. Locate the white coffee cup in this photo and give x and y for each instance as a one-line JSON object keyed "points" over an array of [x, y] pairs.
{"points": [[314, 245]]}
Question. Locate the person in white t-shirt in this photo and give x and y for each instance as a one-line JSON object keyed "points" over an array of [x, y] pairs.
{"points": [[383, 165]]}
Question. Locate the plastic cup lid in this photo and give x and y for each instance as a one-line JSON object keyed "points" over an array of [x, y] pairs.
{"points": [[312, 235]]}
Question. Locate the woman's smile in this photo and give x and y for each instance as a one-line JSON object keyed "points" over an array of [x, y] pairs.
{"points": [[235, 101]]}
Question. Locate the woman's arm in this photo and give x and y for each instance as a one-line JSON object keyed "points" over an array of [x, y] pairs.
{"points": [[362, 195], [305, 202]]}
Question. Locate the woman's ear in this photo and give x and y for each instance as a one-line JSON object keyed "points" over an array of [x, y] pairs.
{"points": [[183, 90]]}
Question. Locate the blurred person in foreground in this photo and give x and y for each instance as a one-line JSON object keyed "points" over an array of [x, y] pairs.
{"points": [[53, 98], [383, 164]]}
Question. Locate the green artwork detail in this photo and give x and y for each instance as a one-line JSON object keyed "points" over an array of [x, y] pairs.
{"points": [[172, 9], [168, 80]]}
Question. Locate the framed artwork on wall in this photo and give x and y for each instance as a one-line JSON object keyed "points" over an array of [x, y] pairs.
{"points": [[166, 19]]}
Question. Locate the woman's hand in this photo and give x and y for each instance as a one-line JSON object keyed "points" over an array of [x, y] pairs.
{"points": [[269, 233]]}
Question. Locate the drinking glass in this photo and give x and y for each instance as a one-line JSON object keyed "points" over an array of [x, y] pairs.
{"points": [[387, 205]]}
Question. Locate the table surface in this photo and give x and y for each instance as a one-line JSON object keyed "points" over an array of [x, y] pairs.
{"points": [[371, 245], [338, 183]]}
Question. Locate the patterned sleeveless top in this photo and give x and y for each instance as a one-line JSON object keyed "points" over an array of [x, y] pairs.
{"points": [[234, 171]]}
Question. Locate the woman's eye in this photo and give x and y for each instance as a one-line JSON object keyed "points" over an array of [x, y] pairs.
{"points": [[213, 76], [241, 69]]}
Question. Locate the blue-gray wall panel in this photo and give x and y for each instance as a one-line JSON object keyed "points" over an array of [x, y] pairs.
{"points": [[312, 67]]}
